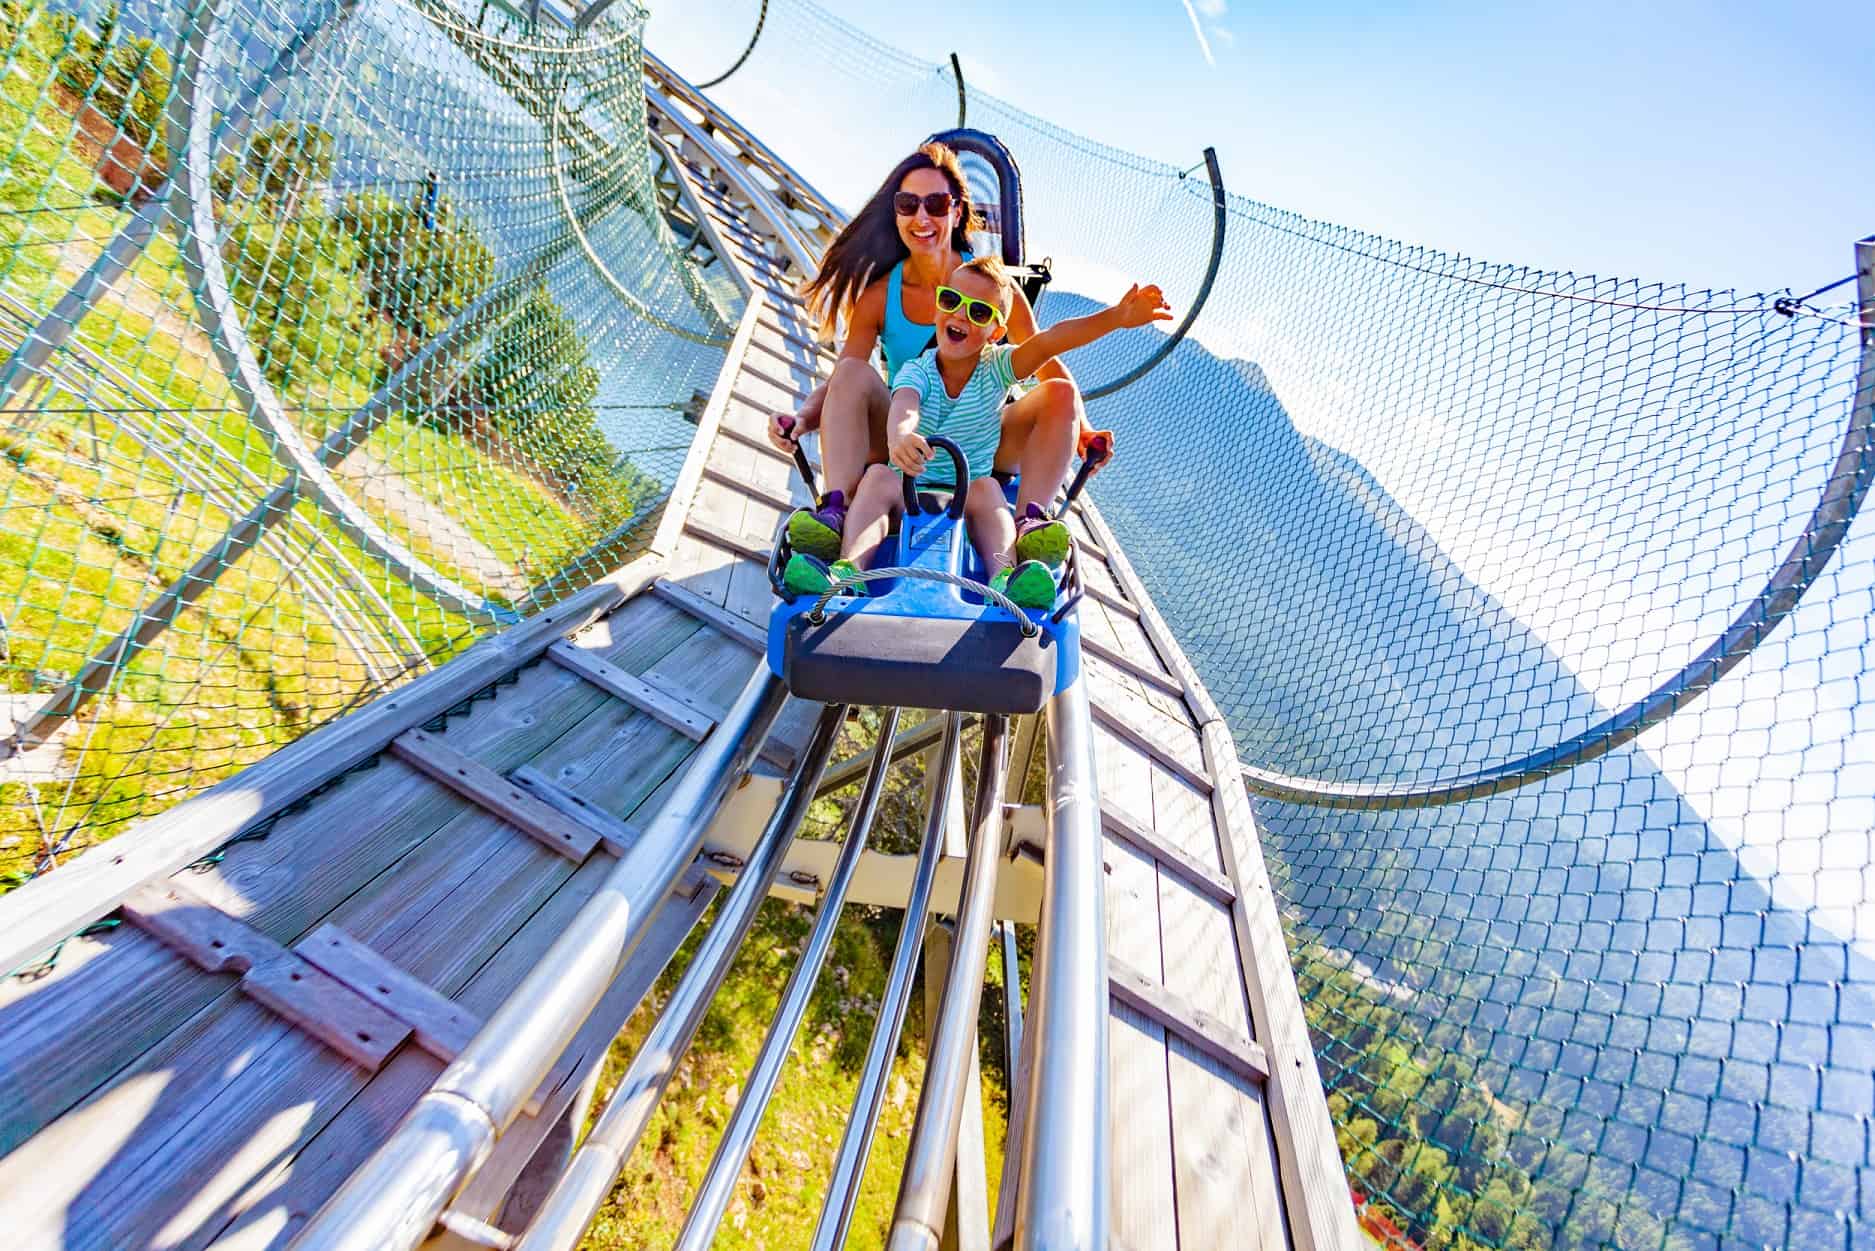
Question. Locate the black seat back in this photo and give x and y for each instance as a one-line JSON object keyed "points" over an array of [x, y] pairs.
{"points": [[996, 190]]}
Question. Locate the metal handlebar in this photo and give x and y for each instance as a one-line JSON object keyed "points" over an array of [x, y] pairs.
{"points": [[786, 426], [1099, 452], [959, 462]]}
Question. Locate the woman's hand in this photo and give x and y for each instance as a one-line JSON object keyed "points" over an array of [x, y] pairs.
{"points": [[1141, 306], [910, 454], [1094, 444], [785, 430]]}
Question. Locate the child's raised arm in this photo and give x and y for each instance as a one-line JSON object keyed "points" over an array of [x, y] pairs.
{"points": [[904, 445], [1140, 306]]}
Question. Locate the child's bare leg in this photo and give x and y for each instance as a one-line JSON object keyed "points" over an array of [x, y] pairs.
{"points": [[876, 503], [1038, 438], [991, 525]]}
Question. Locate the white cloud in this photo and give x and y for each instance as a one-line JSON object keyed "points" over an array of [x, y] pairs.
{"points": [[1211, 8]]}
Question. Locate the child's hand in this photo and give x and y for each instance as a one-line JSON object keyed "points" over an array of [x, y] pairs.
{"points": [[1141, 306], [910, 454]]}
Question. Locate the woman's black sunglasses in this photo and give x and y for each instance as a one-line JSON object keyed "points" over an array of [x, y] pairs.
{"points": [[937, 204]]}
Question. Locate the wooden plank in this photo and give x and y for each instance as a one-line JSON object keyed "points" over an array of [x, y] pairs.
{"points": [[615, 836], [49, 908], [1225, 1186], [757, 443], [1202, 1030], [483, 786], [284, 884], [1143, 1213], [1112, 601], [1160, 634], [749, 549], [1151, 744], [261, 1090], [690, 477], [1175, 859], [726, 622], [217, 943], [811, 345], [791, 389], [792, 359], [1313, 1183], [771, 498], [672, 710], [440, 1025], [1120, 660], [270, 1209]]}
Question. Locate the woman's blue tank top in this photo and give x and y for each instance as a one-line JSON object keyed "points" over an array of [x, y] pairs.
{"points": [[901, 338]]}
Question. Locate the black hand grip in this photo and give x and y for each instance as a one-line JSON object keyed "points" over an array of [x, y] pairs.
{"points": [[1099, 451], [786, 425], [960, 463]]}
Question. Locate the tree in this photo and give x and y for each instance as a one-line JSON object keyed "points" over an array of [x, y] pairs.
{"points": [[279, 164], [296, 280], [534, 386], [418, 274], [124, 77]]}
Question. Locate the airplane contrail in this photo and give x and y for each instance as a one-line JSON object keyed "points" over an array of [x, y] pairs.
{"points": [[1204, 45]]}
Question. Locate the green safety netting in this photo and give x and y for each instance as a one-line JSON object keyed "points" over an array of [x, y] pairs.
{"points": [[333, 335], [1512, 584], [1537, 607]]}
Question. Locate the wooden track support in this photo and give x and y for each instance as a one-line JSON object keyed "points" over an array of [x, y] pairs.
{"points": [[481, 785], [288, 984]]}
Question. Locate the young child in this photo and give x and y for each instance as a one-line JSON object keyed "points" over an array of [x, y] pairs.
{"points": [[956, 390]]}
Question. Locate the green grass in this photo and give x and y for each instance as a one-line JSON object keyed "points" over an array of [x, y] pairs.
{"points": [[519, 521], [779, 1194]]}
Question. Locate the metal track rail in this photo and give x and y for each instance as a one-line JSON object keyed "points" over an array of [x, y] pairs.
{"points": [[733, 1151], [924, 1188], [836, 1217], [575, 1200], [393, 1201], [1062, 1172]]}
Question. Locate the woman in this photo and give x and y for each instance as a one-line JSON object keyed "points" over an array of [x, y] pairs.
{"points": [[880, 277]]}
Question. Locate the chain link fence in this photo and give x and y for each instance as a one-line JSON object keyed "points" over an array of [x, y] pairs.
{"points": [[1540, 611], [334, 334]]}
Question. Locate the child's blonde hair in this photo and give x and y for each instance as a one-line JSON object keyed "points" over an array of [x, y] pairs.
{"points": [[993, 269]]}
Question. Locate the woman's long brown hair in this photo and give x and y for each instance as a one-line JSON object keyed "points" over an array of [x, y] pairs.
{"points": [[869, 245]]}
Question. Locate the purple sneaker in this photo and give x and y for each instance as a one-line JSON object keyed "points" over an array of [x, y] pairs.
{"points": [[816, 532], [1041, 537]]}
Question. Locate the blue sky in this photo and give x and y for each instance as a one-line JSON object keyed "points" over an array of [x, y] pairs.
{"points": [[1720, 144]]}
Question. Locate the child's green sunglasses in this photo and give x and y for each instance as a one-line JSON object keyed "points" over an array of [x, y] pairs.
{"points": [[980, 312]]}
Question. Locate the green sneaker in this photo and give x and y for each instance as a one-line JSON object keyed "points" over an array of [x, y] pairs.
{"points": [[1030, 584], [806, 575], [817, 531], [847, 569], [1041, 537]]}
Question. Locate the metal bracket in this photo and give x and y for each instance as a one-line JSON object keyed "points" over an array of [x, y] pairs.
{"points": [[1218, 217], [761, 19]]}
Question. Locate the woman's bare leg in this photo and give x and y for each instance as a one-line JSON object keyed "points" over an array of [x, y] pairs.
{"points": [[878, 499], [852, 425], [1038, 438]]}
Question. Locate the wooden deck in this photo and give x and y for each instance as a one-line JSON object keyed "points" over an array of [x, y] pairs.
{"points": [[147, 1101]]}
